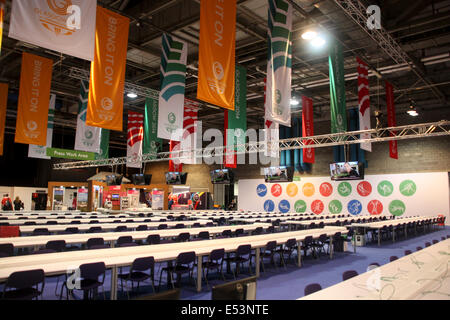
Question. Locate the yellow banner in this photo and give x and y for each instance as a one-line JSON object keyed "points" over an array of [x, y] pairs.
{"points": [[34, 97], [217, 52], [2, 17], [3, 105], [105, 105]]}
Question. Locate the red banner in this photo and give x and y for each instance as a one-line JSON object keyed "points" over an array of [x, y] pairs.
{"points": [[391, 119], [175, 165], [230, 160], [308, 128]]}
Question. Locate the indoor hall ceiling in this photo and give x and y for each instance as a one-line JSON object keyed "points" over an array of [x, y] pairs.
{"points": [[422, 29]]}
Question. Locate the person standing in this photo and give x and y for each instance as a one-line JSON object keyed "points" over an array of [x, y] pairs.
{"points": [[18, 204], [7, 203]]}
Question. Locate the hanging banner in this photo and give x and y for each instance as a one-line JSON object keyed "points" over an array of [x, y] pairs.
{"points": [[64, 26], [106, 86], [2, 17], [171, 96], [87, 138], [279, 63], [337, 89], [308, 128], [70, 154], [3, 106], [135, 136], [40, 152], [34, 96], [364, 102], [236, 121], [271, 132], [391, 119], [217, 52], [104, 146], [190, 134], [175, 165], [152, 143]]}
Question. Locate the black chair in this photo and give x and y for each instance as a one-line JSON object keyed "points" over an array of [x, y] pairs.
{"points": [[214, 262], [6, 250], [52, 222], [435, 241], [56, 245], [419, 248], [288, 248], [96, 243], [179, 226], [319, 244], [137, 274], [89, 282], [121, 229], [41, 232], [124, 240], [154, 239], [242, 255], [94, 221], [196, 225], [311, 288], [407, 252], [374, 264], [184, 264], [142, 227], [183, 237], [239, 232], [270, 229], [349, 274], [30, 223], [225, 234], [427, 244], [258, 231], [204, 235], [268, 252], [162, 226], [71, 230], [392, 258], [24, 285], [75, 222]]}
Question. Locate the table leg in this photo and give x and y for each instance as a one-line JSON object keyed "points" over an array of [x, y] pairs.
{"points": [[379, 237], [393, 235], [199, 273], [354, 243], [299, 253], [257, 261], [331, 247], [113, 283]]}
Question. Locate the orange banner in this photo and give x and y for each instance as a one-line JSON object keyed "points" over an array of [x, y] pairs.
{"points": [[34, 97], [2, 17], [105, 105], [3, 105], [217, 52]]}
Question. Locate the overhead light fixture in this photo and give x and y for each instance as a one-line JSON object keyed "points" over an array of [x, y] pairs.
{"points": [[412, 111], [132, 95], [309, 35], [294, 102], [318, 42]]}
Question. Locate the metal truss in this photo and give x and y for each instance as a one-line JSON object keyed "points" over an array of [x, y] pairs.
{"points": [[414, 131]]}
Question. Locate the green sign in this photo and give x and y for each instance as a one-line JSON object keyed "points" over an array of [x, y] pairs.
{"points": [[300, 206], [385, 188], [337, 89], [335, 206], [297, 178], [104, 145], [408, 188], [151, 141], [397, 208], [70, 154], [344, 189]]}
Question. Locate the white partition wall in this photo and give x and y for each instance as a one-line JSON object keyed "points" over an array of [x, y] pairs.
{"points": [[394, 194]]}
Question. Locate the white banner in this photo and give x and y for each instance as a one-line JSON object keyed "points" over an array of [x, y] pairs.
{"points": [[364, 102], [66, 26], [40, 152], [171, 96], [279, 64], [135, 138], [190, 136]]}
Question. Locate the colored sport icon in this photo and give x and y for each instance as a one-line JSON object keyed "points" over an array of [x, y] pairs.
{"points": [[364, 188], [292, 190], [375, 207], [276, 190], [397, 208], [317, 206], [261, 190], [300, 206], [326, 189], [308, 189], [284, 206], [354, 207], [335, 206], [408, 188], [269, 206], [344, 189], [385, 188]]}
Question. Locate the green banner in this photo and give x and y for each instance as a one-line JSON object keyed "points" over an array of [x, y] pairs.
{"points": [[152, 143], [237, 119], [104, 146], [70, 154], [337, 89]]}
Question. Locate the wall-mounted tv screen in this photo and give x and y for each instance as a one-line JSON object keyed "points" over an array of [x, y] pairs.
{"points": [[278, 174], [222, 176], [346, 171], [115, 196], [176, 177], [141, 179], [114, 180]]}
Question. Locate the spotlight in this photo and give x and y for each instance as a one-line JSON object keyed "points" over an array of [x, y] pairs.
{"points": [[294, 102], [412, 110], [309, 35], [318, 42], [132, 95]]}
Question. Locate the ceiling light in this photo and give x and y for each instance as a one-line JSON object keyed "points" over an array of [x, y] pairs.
{"points": [[308, 35], [318, 42], [412, 110], [132, 95], [294, 102]]}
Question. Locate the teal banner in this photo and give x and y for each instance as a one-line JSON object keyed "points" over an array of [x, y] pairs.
{"points": [[152, 143], [104, 145], [337, 89], [237, 119]]}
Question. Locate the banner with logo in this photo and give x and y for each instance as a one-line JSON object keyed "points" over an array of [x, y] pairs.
{"points": [[70, 154], [391, 119], [271, 132], [190, 133], [152, 144], [236, 121], [87, 138], [66, 26], [3, 106], [217, 52], [364, 102], [106, 86], [104, 146], [39, 152], [171, 96], [308, 128], [337, 89], [135, 136], [34, 97], [2, 17], [175, 165], [279, 63]]}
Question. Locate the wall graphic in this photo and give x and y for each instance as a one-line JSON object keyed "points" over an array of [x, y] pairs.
{"points": [[395, 194]]}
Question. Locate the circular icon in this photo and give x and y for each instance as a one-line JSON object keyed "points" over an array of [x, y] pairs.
{"points": [[408, 188], [59, 6], [269, 206], [354, 207], [292, 190], [375, 207], [326, 189], [397, 208], [278, 96], [218, 70], [196, 197], [171, 117], [385, 188], [340, 120], [308, 189], [344, 189], [335, 206], [261, 190], [32, 125], [153, 144], [317, 206], [276, 190], [300, 206], [364, 188], [88, 134], [284, 206], [107, 104]]}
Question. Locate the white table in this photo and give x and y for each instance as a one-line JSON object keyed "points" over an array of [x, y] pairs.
{"points": [[82, 220]]}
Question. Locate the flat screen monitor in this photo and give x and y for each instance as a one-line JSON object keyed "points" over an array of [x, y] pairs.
{"points": [[278, 174], [138, 179], [244, 289], [111, 180], [222, 176], [173, 178], [115, 196], [346, 171]]}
